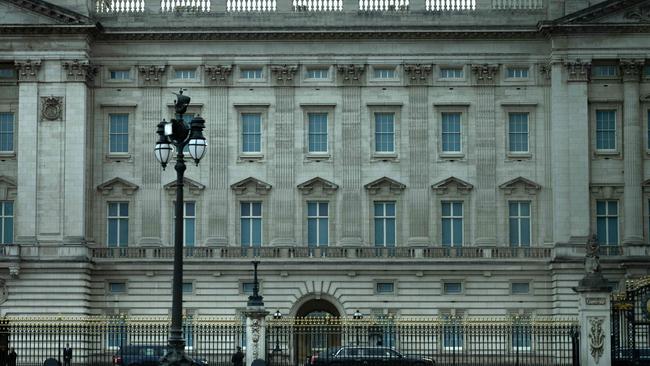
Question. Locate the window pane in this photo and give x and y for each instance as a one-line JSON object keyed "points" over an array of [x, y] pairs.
{"points": [[8, 208], [311, 232], [458, 232], [311, 209], [612, 207], [323, 208], [612, 231], [245, 232], [601, 230], [124, 232], [524, 208], [514, 231], [520, 287], [112, 233], [257, 209], [245, 208], [446, 208], [8, 227], [124, 209], [601, 207], [189, 208], [323, 234], [390, 232], [379, 232], [446, 232], [257, 232], [390, 209], [525, 232], [112, 209], [189, 232]]}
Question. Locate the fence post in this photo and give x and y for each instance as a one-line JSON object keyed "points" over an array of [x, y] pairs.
{"points": [[594, 312], [256, 334]]}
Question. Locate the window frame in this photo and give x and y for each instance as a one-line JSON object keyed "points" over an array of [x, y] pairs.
{"points": [[308, 68], [252, 156], [241, 283], [110, 134], [128, 223], [240, 217], [614, 65], [385, 155], [118, 156], [645, 108], [378, 68], [451, 67], [4, 217], [13, 79], [437, 131], [191, 282], [515, 109], [384, 218], [442, 216], [185, 218], [519, 217], [448, 153], [443, 289], [318, 217], [606, 153], [329, 111], [175, 80], [245, 68], [608, 215], [110, 69], [393, 282], [508, 68], [517, 281], [510, 152], [11, 109], [109, 282]]}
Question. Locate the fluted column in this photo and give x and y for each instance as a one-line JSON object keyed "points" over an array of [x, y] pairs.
{"points": [[486, 155], [77, 99], [546, 194], [418, 77], [577, 127], [151, 190], [216, 207], [350, 161], [27, 150], [283, 196], [559, 152], [632, 153]]}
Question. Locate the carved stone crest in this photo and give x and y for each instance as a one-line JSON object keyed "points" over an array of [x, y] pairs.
{"points": [[596, 338], [51, 108]]}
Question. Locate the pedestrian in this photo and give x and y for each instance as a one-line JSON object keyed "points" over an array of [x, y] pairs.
{"points": [[67, 355], [238, 357], [11, 360]]}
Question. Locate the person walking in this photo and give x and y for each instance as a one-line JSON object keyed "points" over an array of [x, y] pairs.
{"points": [[11, 360], [67, 355], [238, 357]]}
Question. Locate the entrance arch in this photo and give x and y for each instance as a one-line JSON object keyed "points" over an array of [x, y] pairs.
{"points": [[314, 303], [317, 326]]}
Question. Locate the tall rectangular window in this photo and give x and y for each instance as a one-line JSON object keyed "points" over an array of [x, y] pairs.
{"points": [[518, 72], [6, 131], [519, 223], [384, 73], [384, 132], [118, 224], [250, 73], [189, 223], [518, 132], [251, 132], [6, 222], [452, 224], [451, 134], [607, 222], [317, 132], [251, 224], [451, 73], [384, 224], [317, 224], [606, 129], [118, 133]]}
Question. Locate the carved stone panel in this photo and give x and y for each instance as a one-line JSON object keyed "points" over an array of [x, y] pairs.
{"points": [[596, 337], [52, 108]]}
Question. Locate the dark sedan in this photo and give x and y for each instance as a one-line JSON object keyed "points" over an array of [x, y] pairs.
{"points": [[367, 356]]}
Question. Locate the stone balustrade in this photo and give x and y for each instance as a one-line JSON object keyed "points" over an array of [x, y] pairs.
{"points": [[117, 7]]}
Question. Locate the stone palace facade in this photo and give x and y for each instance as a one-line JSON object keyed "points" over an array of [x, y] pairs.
{"points": [[400, 158]]}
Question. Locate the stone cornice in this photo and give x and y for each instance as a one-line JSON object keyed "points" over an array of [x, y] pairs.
{"points": [[351, 74], [284, 74], [79, 70], [631, 70], [418, 74], [220, 74], [28, 70], [578, 70]]}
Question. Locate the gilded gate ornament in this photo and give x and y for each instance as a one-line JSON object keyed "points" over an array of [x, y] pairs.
{"points": [[596, 337], [51, 108], [255, 330]]}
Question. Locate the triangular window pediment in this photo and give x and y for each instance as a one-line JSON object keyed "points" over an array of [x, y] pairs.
{"points": [[390, 185], [445, 185], [7, 188], [117, 186], [193, 186], [325, 185], [614, 12], [36, 12], [520, 183], [250, 185]]}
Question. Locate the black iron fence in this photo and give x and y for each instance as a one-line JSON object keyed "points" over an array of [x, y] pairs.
{"points": [[421, 342], [118, 340]]}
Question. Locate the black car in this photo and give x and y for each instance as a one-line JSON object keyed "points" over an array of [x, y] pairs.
{"points": [[367, 356], [144, 355]]}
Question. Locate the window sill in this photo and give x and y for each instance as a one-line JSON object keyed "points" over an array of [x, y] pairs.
{"points": [[451, 156], [119, 157], [250, 158], [378, 157], [7, 154], [120, 81], [317, 157], [605, 154], [519, 156]]}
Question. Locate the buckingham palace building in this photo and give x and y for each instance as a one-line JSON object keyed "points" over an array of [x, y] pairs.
{"points": [[392, 157]]}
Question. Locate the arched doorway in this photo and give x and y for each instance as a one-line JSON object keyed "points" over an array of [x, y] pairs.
{"points": [[317, 328]]}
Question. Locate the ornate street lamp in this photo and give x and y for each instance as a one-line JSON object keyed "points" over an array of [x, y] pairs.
{"points": [[357, 316], [175, 134], [277, 316]]}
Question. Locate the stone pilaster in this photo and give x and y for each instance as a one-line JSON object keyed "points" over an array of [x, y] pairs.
{"points": [[283, 197], [419, 79], [216, 207], [26, 152], [559, 151], [577, 127], [151, 190], [486, 154], [632, 153], [77, 99], [546, 194], [349, 165]]}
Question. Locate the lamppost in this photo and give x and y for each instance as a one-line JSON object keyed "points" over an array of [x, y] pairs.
{"points": [[357, 316], [175, 134], [277, 316]]}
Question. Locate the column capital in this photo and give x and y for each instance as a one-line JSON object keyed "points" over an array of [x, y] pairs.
{"points": [[219, 74], [631, 69], [284, 74], [351, 74], [28, 69], [418, 74], [152, 74], [578, 70], [81, 71], [545, 70], [485, 74]]}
